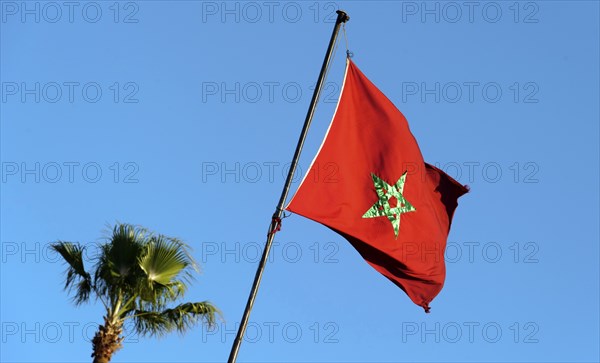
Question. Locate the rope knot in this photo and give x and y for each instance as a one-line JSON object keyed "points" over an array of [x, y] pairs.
{"points": [[275, 226]]}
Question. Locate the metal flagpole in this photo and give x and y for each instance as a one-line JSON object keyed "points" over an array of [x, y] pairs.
{"points": [[276, 220]]}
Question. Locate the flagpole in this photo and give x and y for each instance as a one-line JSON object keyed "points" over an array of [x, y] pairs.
{"points": [[276, 219]]}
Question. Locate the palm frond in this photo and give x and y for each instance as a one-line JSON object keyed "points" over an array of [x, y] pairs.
{"points": [[155, 297], [127, 243], [165, 259], [77, 277], [186, 315], [180, 318], [150, 323], [117, 267], [83, 291]]}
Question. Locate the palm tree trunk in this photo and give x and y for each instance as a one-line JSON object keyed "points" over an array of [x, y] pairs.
{"points": [[107, 341]]}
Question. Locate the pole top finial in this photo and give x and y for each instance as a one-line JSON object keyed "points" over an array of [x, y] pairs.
{"points": [[342, 16]]}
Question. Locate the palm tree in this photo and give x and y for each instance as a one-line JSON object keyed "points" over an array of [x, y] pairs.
{"points": [[136, 275]]}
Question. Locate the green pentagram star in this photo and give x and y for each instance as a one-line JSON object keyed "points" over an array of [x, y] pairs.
{"points": [[382, 207]]}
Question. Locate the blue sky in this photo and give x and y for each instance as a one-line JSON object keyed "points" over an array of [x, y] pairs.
{"points": [[182, 117]]}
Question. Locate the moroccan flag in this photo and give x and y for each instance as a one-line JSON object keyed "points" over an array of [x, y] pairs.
{"points": [[378, 193]]}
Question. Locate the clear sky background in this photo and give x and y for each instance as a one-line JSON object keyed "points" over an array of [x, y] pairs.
{"points": [[183, 116]]}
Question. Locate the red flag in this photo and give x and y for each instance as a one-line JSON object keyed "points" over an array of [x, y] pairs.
{"points": [[395, 209]]}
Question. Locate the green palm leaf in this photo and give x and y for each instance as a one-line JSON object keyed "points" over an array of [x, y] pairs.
{"points": [[127, 242], [76, 277], [180, 318], [164, 259], [117, 269]]}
